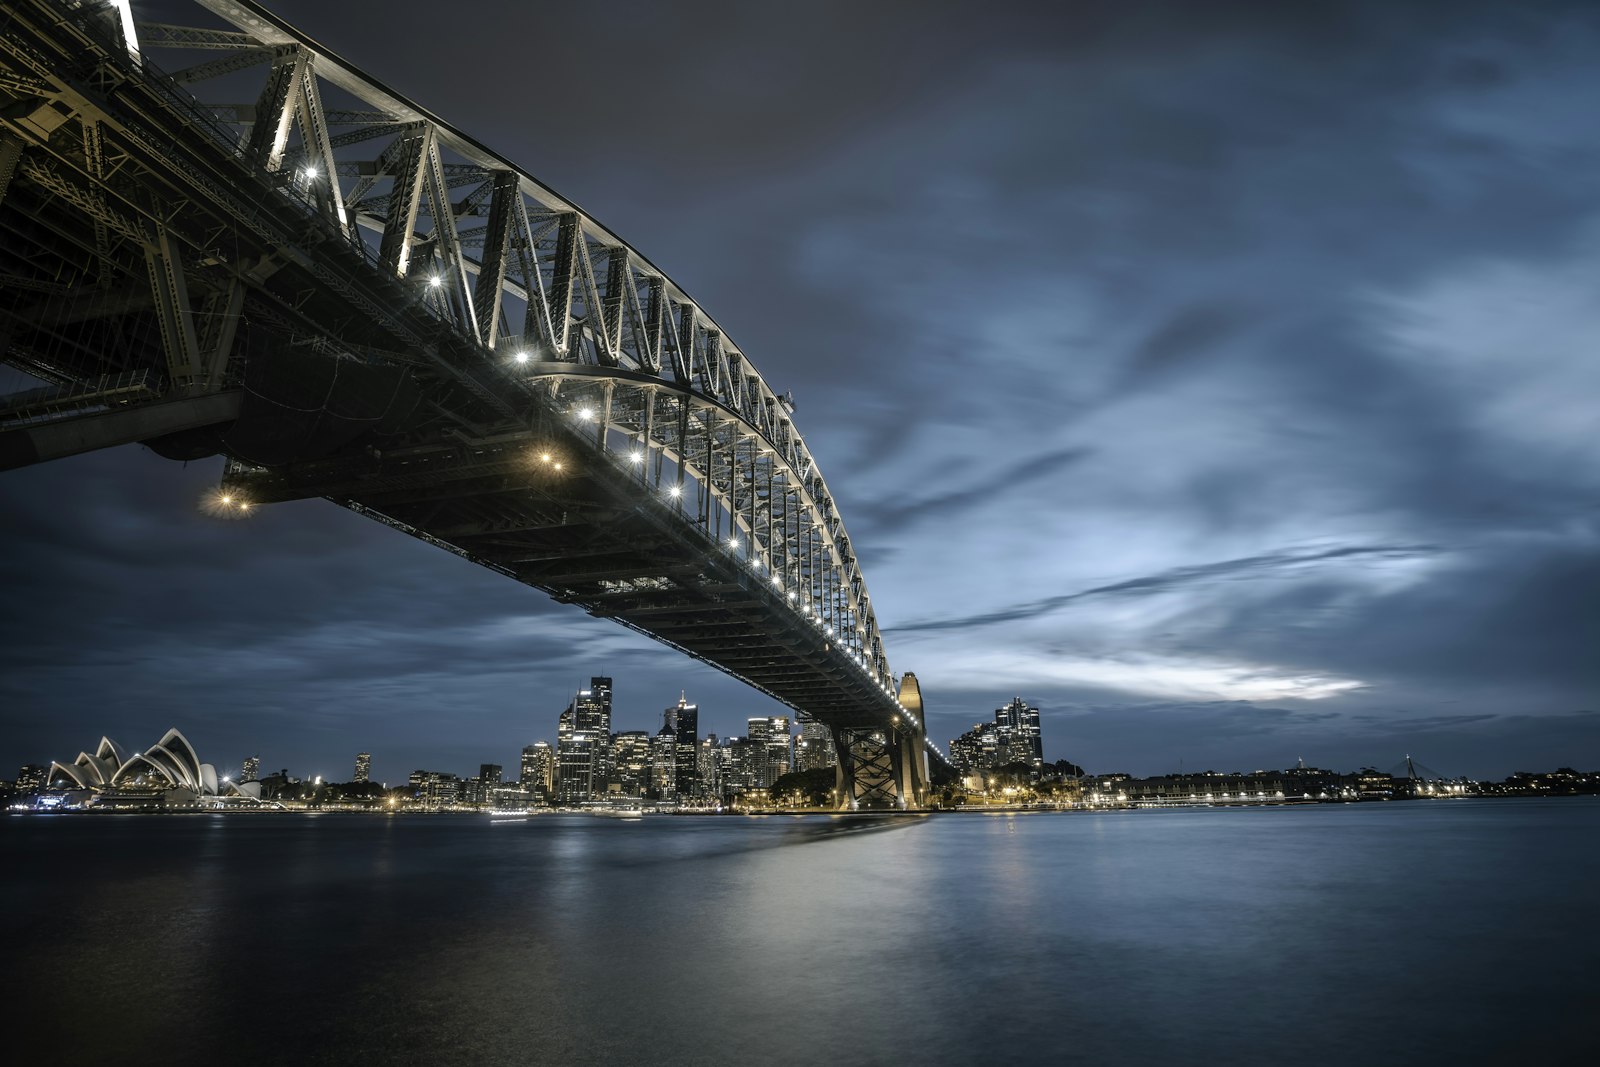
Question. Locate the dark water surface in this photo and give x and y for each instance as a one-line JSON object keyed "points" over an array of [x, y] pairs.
{"points": [[1427, 932]]}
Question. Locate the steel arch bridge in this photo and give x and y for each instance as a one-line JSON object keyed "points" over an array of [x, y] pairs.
{"points": [[223, 238]]}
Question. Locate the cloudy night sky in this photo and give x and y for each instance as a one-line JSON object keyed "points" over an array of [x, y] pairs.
{"points": [[1221, 378]]}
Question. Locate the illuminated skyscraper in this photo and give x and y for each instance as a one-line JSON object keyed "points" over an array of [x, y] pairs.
{"points": [[664, 759], [538, 768], [685, 720], [583, 744], [708, 765], [631, 749], [251, 771], [1013, 737], [363, 767], [814, 749], [769, 750]]}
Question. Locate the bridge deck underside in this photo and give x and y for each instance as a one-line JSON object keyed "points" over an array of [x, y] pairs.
{"points": [[592, 537]]}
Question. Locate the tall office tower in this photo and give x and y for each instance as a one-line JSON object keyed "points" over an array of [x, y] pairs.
{"points": [[1013, 737], [685, 719], [664, 758], [489, 775], [769, 743], [967, 751], [708, 766], [574, 760], [363, 767], [592, 717], [814, 749], [1019, 739], [32, 777], [538, 768], [251, 771], [631, 750], [738, 765]]}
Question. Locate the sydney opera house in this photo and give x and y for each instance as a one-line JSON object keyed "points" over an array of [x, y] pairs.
{"points": [[167, 774]]}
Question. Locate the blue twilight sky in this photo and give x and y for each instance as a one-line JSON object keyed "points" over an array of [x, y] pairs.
{"points": [[1223, 378]]}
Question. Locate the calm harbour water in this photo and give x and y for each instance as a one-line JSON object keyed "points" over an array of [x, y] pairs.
{"points": [[1399, 933]]}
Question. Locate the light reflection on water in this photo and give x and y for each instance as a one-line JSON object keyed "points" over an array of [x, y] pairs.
{"points": [[1250, 935]]}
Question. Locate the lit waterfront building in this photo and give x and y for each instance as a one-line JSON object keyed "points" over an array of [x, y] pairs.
{"points": [[769, 741], [708, 766], [1013, 737], [664, 759], [814, 748], [574, 761], [363, 767], [167, 774], [31, 777], [488, 782], [538, 769], [685, 719], [736, 766], [435, 788], [631, 750], [583, 744], [251, 770]]}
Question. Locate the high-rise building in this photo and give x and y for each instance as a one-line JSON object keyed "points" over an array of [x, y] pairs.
{"points": [[584, 744], [31, 777], [708, 766], [538, 768], [251, 771], [574, 760], [631, 750], [735, 766], [664, 759], [769, 740], [1013, 737], [363, 767], [435, 788], [814, 749], [685, 719]]}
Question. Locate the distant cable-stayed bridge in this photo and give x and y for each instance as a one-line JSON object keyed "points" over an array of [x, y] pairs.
{"points": [[220, 238]]}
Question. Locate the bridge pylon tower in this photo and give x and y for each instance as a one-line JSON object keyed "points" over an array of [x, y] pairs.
{"points": [[885, 770]]}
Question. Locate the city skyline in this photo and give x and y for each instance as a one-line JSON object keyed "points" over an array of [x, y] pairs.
{"points": [[1219, 381]]}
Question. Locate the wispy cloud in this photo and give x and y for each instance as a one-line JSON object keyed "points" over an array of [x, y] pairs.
{"points": [[1166, 581]]}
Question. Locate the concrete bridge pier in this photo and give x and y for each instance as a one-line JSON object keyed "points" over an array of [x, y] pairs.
{"points": [[885, 769]]}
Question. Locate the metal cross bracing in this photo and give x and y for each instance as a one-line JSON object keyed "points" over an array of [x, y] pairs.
{"points": [[266, 253]]}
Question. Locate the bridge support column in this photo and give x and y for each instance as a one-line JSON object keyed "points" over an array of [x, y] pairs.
{"points": [[912, 766], [865, 775]]}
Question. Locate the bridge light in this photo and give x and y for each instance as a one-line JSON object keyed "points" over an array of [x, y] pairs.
{"points": [[544, 457], [636, 457], [521, 357], [244, 505], [558, 466], [675, 491], [733, 542], [791, 594], [310, 171], [586, 414], [226, 499], [435, 281]]}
